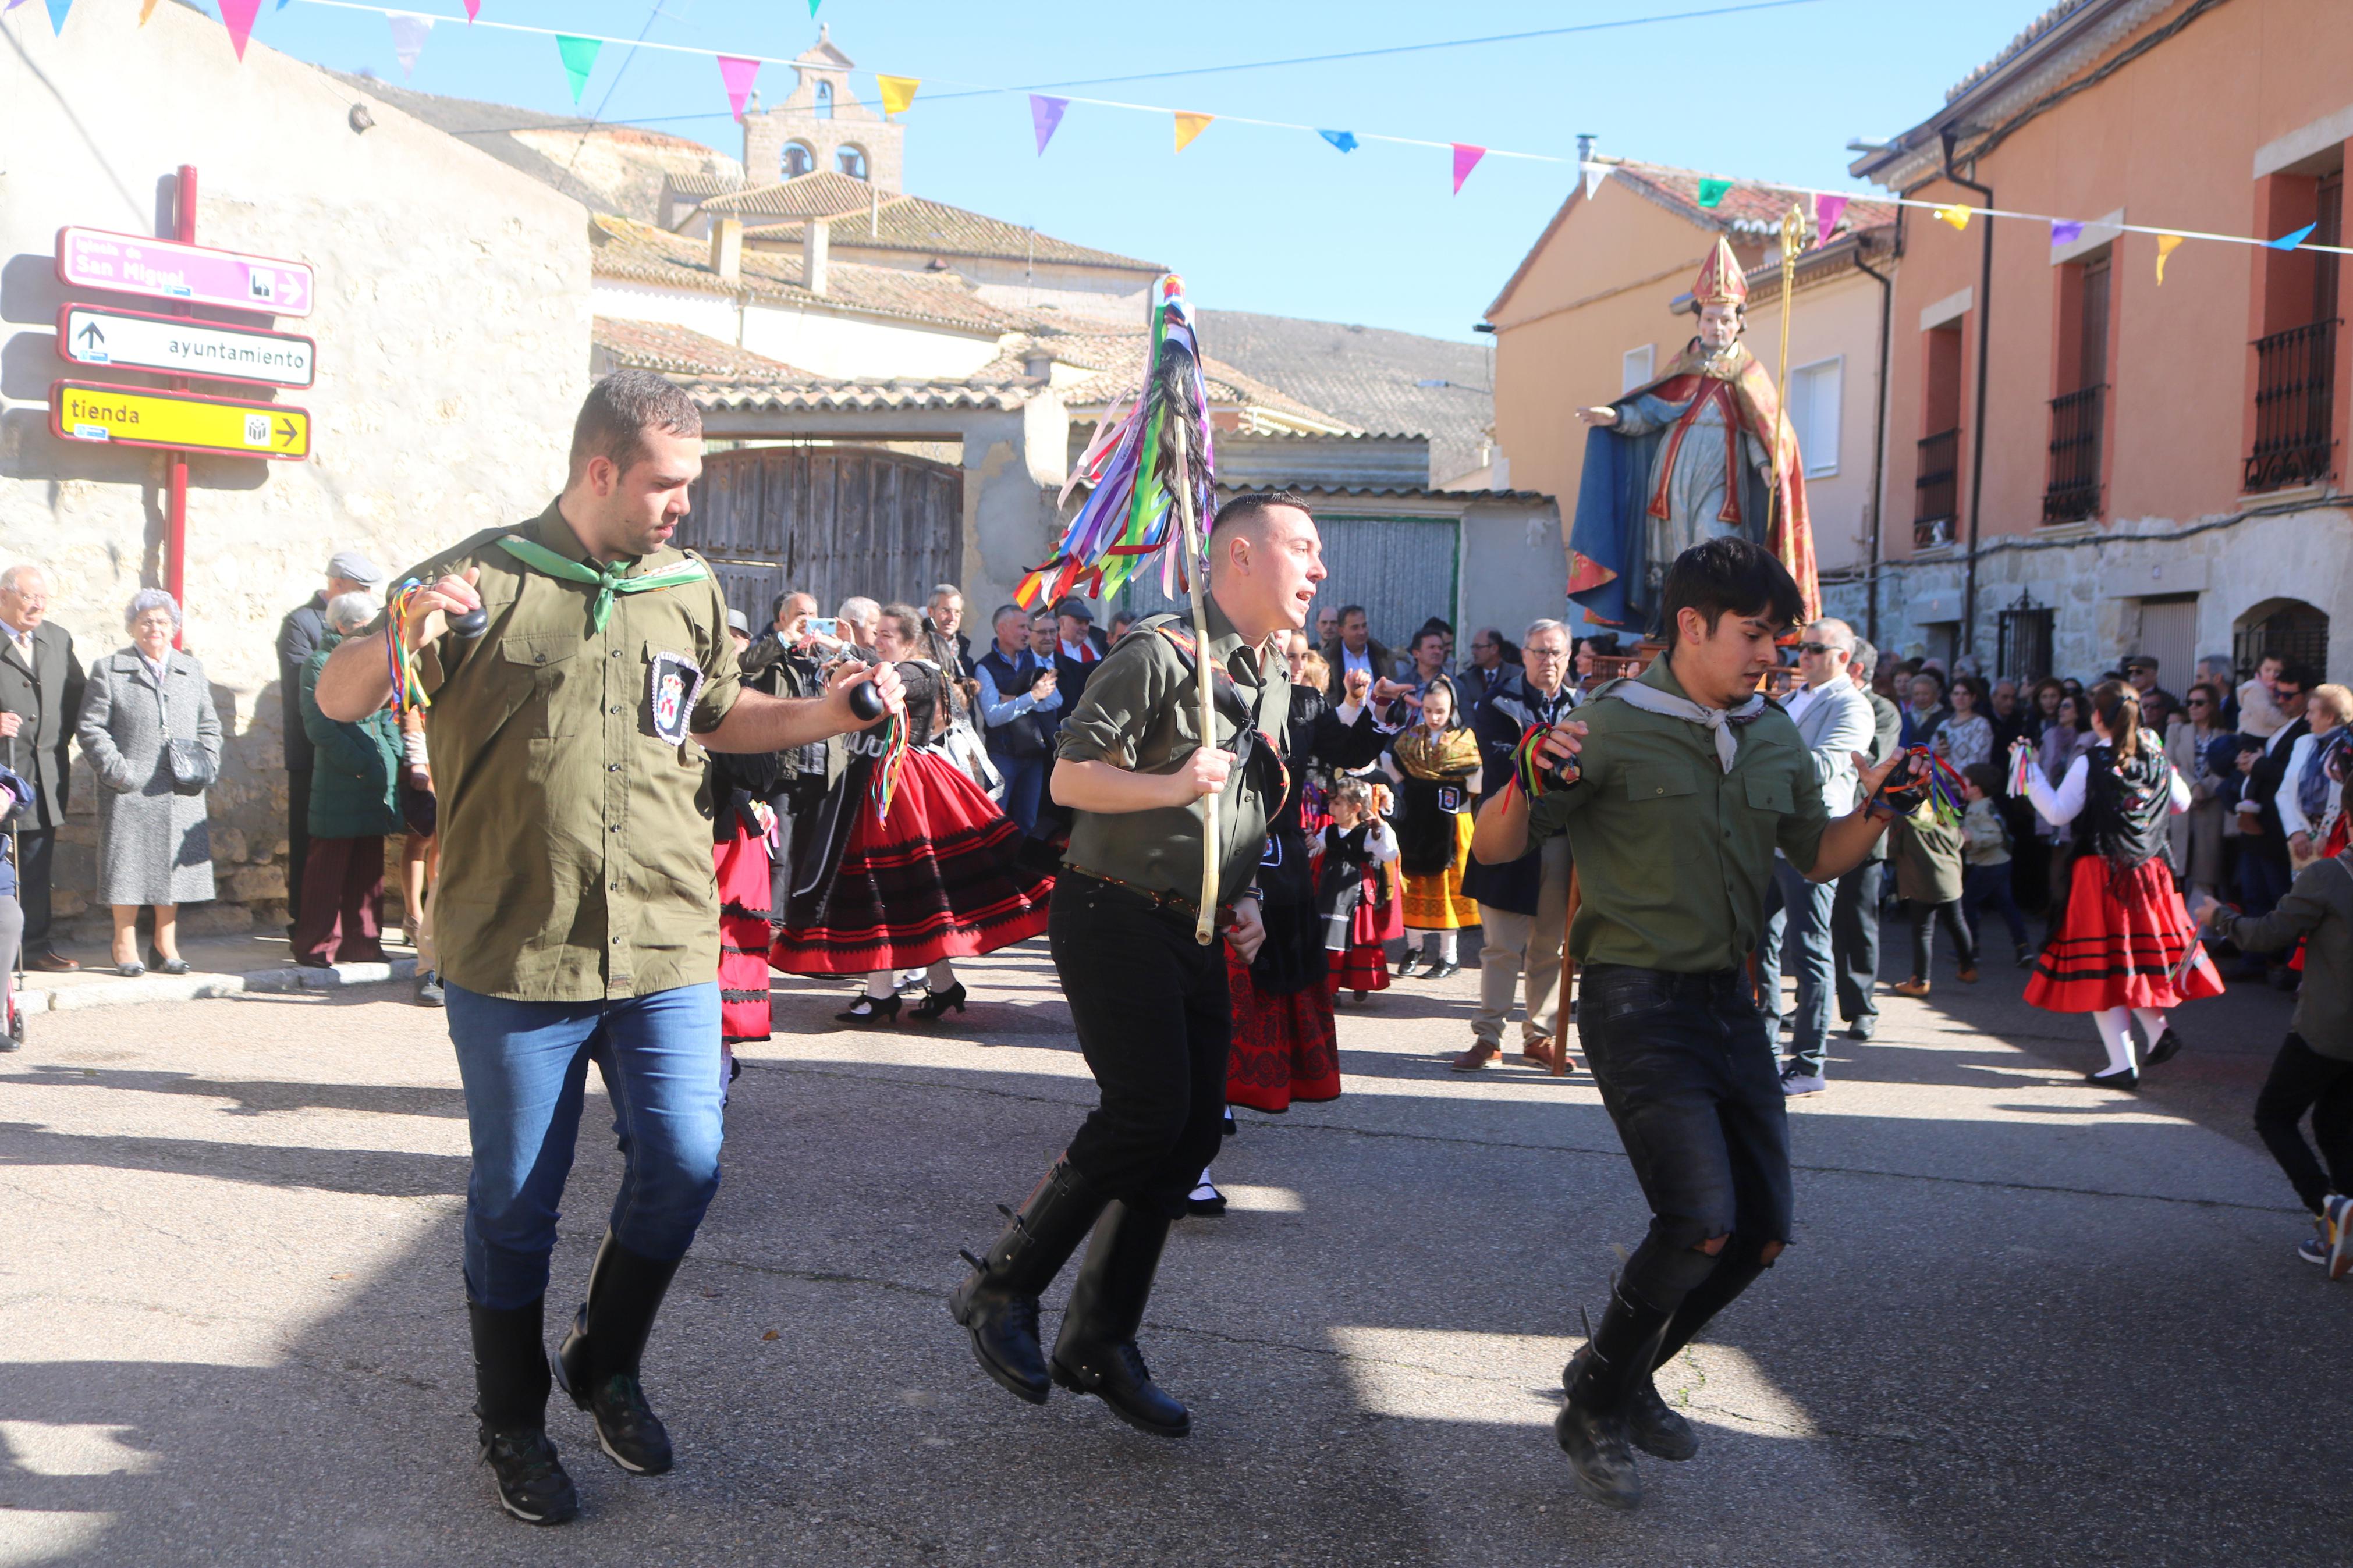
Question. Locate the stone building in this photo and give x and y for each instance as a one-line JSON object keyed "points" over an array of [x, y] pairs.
{"points": [[452, 324], [821, 127]]}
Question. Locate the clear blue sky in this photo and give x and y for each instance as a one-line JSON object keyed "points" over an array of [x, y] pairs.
{"points": [[1261, 219]]}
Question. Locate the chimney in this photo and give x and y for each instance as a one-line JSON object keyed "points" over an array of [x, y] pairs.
{"points": [[727, 249], [1585, 148], [817, 238]]}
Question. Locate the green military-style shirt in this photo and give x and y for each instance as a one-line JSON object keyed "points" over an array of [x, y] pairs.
{"points": [[1674, 854], [1141, 711], [575, 838]]}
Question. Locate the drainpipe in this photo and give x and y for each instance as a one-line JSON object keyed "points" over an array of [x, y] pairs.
{"points": [[1878, 432], [1977, 430]]}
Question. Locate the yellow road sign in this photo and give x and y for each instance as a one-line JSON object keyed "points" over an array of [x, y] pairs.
{"points": [[185, 421]]}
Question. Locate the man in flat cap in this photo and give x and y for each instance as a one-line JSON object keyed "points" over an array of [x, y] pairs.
{"points": [[298, 637]]}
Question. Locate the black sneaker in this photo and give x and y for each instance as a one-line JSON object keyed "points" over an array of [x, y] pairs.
{"points": [[532, 1483], [627, 1429]]}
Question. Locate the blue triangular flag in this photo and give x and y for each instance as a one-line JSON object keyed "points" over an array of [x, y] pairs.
{"points": [[57, 9], [1344, 140], [2290, 241]]}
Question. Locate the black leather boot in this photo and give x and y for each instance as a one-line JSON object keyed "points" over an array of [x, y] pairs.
{"points": [[1095, 1352], [1592, 1426], [599, 1362], [511, 1400], [1652, 1424], [997, 1302]]}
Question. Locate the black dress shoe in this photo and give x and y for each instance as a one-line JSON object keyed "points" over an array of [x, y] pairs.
{"points": [[2123, 1077], [936, 1002], [1445, 969], [1862, 1028], [163, 966], [869, 1010], [1652, 1424], [2167, 1046]]}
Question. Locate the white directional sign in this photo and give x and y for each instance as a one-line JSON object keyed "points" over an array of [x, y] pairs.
{"points": [[176, 345]]}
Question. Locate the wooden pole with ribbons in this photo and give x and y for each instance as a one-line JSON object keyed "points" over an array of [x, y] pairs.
{"points": [[1180, 435]]}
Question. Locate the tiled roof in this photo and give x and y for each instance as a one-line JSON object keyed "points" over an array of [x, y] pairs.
{"points": [[1117, 360], [786, 395], [2032, 33], [935, 228], [826, 194], [1373, 378], [1749, 210], [641, 253], [1841, 255], [674, 351], [718, 184]]}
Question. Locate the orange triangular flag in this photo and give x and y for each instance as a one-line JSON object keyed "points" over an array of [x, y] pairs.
{"points": [[2166, 244], [898, 91], [1189, 126]]}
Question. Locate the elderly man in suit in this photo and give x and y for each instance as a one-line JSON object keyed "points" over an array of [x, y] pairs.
{"points": [[1855, 908], [1356, 649], [40, 699], [301, 634], [1834, 721]]}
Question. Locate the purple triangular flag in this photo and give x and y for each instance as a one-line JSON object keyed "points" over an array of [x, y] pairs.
{"points": [[2064, 231], [1828, 210], [1045, 114]]}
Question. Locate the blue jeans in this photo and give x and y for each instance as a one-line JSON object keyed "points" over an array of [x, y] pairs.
{"points": [[1024, 782], [525, 1067], [1801, 912]]}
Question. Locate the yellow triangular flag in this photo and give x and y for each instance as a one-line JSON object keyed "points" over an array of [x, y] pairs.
{"points": [[146, 9], [1958, 216], [2166, 244], [898, 91], [1189, 126]]}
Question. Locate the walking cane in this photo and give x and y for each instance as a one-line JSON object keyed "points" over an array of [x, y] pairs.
{"points": [[1178, 436]]}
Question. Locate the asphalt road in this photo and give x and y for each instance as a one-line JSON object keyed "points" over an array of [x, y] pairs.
{"points": [[2023, 1322]]}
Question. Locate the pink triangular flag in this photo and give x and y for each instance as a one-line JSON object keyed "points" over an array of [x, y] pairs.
{"points": [[737, 73], [473, 9], [1466, 158], [237, 17], [1828, 210]]}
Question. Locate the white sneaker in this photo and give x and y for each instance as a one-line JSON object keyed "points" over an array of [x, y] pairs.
{"points": [[1796, 1081]]}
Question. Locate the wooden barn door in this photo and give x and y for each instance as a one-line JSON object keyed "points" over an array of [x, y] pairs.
{"points": [[826, 520]]}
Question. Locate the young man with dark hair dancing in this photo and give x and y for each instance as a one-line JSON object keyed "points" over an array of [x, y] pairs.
{"points": [[1675, 788]]}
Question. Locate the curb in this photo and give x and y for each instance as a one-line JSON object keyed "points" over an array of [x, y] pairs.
{"points": [[198, 986]]}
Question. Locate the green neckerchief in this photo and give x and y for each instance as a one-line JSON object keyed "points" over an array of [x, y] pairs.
{"points": [[611, 579]]}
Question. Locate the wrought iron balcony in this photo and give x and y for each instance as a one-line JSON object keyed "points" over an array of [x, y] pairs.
{"points": [[2295, 407], [2072, 492], [1937, 489]]}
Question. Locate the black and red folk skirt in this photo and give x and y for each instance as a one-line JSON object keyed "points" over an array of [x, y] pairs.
{"points": [[942, 878], [2124, 935], [744, 884], [1286, 1046]]}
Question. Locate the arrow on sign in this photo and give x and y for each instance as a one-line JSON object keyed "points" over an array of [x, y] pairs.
{"points": [[92, 340], [286, 432]]}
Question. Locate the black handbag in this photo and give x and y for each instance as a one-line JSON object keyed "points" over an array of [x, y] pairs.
{"points": [[193, 772]]}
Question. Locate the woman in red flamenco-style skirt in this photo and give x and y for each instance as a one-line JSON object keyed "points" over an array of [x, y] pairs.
{"points": [[2120, 953], [939, 878]]}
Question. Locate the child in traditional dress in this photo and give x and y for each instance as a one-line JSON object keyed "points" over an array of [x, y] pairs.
{"points": [[1351, 889], [1985, 860], [2119, 952], [1436, 766]]}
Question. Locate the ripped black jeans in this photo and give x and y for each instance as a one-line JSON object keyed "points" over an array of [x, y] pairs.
{"points": [[1687, 1071]]}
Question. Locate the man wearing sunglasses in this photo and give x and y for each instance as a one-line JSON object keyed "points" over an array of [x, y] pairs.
{"points": [[1834, 721]]}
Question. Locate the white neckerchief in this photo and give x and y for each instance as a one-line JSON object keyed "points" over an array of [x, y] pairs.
{"points": [[1651, 700]]}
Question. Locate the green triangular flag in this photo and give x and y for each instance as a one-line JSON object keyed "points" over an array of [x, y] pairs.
{"points": [[813, 7], [1711, 191], [579, 60]]}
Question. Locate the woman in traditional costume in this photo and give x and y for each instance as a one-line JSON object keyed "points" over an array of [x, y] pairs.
{"points": [[907, 864], [2118, 953], [1436, 766], [744, 785]]}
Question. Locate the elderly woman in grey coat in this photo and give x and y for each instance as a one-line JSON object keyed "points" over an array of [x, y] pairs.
{"points": [[152, 737]]}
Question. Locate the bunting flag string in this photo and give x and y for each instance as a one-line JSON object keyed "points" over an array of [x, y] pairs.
{"points": [[579, 53], [579, 58], [409, 32], [736, 74], [1466, 158], [1045, 117]]}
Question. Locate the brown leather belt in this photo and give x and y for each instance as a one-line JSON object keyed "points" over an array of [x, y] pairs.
{"points": [[1159, 899]]}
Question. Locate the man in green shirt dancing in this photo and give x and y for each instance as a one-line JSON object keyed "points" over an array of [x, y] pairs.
{"points": [[1675, 788]]}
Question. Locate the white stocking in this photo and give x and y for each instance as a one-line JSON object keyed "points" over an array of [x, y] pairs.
{"points": [[2152, 1023], [883, 983], [2115, 1025], [1447, 947], [939, 977]]}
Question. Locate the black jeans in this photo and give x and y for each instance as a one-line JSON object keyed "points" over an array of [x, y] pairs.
{"points": [[1947, 915], [1854, 941], [1984, 887], [2303, 1080], [1687, 1072], [1155, 1023]]}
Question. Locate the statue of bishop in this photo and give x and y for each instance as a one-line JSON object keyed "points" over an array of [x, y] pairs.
{"points": [[1698, 454]]}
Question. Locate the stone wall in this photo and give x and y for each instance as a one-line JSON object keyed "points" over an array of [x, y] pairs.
{"points": [[452, 324]]}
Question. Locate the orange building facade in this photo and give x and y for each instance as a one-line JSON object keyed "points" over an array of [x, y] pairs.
{"points": [[2081, 462]]}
